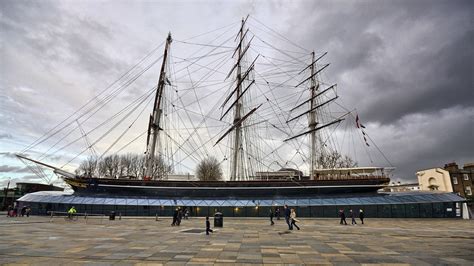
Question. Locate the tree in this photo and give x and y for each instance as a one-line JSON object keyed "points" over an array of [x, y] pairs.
{"points": [[88, 168], [209, 169], [335, 160], [114, 166]]}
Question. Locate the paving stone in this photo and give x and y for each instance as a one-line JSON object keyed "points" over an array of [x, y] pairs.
{"points": [[145, 241]]}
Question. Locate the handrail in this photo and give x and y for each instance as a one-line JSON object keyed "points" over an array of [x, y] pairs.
{"points": [[54, 214]]}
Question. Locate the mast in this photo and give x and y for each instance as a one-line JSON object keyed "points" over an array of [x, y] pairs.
{"points": [[237, 115], [154, 126], [314, 105], [312, 119]]}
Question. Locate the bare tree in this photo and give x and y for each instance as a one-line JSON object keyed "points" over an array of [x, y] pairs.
{"points": [[335, 160], [88, 168], [209, 169], [114, 166], [136, 165]]}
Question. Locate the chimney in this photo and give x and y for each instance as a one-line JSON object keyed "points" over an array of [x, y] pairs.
{"points": [[451, 167]]}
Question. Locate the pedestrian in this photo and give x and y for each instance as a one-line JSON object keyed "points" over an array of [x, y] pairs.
{"points": [[343, 216], [277, 213], [28, 210], [361, 216], [208, 226], [186, 214], [15, 209], [23, 211], [180, 216], [293, 219], [271, 217], [287, 217], [10, 211], [352, 214], [175, 217], [71, 212]]}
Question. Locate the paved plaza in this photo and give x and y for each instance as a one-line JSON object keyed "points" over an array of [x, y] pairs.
{"points": [[37, 240]]}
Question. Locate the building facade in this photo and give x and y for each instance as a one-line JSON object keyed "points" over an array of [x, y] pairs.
{"points": [[461, 179], [434, 179], [430, 204]]}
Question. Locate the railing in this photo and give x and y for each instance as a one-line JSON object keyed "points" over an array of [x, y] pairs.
{"points": [[350, 177], [76, 216], [84, 216]]}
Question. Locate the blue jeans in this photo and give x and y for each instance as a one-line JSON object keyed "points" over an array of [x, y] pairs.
{"points": [[287, 219]]}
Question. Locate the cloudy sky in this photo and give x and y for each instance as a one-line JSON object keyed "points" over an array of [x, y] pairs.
{"points": [[406, 66]]}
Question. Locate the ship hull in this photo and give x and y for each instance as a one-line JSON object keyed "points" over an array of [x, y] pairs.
{"points": [[249, 189]]}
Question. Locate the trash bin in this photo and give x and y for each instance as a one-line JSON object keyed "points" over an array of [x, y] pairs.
{"points": [[218, 219], [112, 215]]}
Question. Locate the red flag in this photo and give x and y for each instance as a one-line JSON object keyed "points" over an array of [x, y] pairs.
{"points": [[357, 121]]}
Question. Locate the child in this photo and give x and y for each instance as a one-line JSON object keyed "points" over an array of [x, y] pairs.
{"points": [[208, 226]]}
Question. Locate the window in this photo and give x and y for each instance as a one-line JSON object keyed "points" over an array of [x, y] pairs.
{"points": [[466, 176], [432, 182], [468, 191], [455, 180]]}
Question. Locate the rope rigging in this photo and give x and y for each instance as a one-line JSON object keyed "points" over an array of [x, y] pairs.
{"points": [[193, 116]]}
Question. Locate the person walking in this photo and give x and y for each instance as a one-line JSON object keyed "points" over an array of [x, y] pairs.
{"points": [[175, 218], [71, 212], [23, 211], [343, 216], [277, 213], [271, 217], [208, 226], [352, 215], [287, 217], [180, 216], [293, 219], [361, 216], [10, 211]]}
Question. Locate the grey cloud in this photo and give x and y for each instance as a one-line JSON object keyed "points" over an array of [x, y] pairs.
{"points": [[384, 47], [6, 136], [13, 169], [8, 155], [440, 80]]}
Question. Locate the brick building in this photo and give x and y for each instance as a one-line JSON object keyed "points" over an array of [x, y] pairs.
{"points": [[461, 179]]}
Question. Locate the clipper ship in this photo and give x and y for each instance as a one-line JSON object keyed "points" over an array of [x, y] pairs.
{"points": [[244, 180]]}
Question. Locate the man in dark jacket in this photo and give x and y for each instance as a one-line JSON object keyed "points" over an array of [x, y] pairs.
{"points": [[175, 217], [343, 217], [352, 214], [287, 217], [361, 216], [208, 226], [271, 217]]}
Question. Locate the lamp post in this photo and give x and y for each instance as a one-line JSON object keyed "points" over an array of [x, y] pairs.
{"points": [[6, 194]]}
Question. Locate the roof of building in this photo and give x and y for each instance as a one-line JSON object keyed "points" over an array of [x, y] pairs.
{"points": [[334, 200]]}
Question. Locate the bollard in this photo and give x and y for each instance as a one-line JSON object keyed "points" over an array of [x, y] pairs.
{"points": [[120, 216], [50, 220], [156, 219]]}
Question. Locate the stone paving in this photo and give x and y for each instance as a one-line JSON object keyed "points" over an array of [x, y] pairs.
{"points": [[36, 240]]}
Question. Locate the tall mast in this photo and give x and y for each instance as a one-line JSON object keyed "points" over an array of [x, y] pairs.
{"points": [[236, 162], [154, 126], [312, 119]]}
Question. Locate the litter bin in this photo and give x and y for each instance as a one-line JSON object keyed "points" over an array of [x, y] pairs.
{"points": [[218, 219], [112, 215]]}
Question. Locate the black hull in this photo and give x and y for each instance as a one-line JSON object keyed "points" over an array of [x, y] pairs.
{"points": [[169, 189]]}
